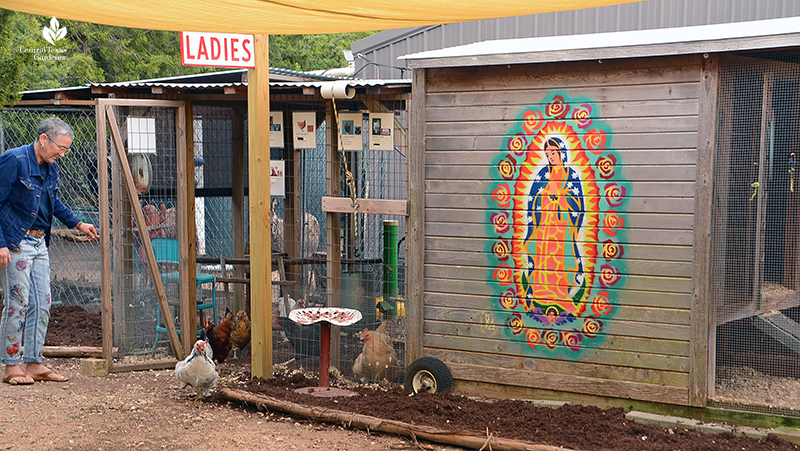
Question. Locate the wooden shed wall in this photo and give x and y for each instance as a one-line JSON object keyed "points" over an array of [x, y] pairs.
{"points": [[651, 111]]}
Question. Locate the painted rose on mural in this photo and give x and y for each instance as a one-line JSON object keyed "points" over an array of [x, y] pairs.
{"points": [[556, 215]]}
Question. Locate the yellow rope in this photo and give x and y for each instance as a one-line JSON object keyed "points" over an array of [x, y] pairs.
{"points": [[349, 179]]}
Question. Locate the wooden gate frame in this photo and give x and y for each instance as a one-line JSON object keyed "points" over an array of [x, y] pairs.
{"points": [[185, 210]]}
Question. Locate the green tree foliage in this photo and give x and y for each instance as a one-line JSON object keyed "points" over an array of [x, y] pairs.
{"points": [[12, 62], [311, 51], [88, 53], [103, 53], [126, 54]]}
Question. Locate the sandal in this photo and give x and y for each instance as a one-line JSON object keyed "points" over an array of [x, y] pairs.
{"points": [[49, 376], [11, 379]]}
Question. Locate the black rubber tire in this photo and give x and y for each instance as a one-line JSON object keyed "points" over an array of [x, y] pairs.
{"points": [[428, 374]]}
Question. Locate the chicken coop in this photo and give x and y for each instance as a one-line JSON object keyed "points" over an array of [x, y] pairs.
{"points": [[611, 218], [171, 194]]}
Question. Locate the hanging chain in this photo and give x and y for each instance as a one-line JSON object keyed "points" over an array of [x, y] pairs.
{"points": [[349, 179]]}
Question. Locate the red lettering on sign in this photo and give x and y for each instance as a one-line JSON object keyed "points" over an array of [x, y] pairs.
{"points": [[188, 49], [202, 50], [234, 49], [246, 50], [215, 48]]}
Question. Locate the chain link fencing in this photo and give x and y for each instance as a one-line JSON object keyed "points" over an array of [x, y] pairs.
{"points": [[75, 263]]}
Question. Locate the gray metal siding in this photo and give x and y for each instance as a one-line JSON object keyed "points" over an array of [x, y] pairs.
{"points": [[384, 47]]}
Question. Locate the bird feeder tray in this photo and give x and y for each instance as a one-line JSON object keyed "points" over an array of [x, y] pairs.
{"points": [[327, 316], [334, 315]]}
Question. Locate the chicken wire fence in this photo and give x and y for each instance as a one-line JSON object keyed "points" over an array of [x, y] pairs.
{"points": [[360, 277], [756, 263], [301, 278]]}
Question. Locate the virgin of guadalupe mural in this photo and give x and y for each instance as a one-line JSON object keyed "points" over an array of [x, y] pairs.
{"points": [[554, 211], [554, 273]]}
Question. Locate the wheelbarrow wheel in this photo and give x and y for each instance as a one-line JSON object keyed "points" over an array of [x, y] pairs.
{"points": [[429, 375]]}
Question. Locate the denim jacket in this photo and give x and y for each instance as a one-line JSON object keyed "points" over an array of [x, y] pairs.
{"points": [[20, 189]]}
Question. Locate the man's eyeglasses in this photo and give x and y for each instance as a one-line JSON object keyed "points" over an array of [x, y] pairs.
{"points": [[63, 149]]}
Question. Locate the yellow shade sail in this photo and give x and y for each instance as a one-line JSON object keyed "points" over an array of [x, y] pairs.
{"points": [[289, 16]]}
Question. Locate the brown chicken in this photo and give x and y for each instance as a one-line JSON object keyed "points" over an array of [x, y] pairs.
{"points": [[240, 332], [378, 360], [220, 336]]}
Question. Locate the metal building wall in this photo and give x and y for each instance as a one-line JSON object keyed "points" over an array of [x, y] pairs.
{"points": [[383, 48]]}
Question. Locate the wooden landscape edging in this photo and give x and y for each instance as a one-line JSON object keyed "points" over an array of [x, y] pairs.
{"points": [[76, 351], [465, 439]]}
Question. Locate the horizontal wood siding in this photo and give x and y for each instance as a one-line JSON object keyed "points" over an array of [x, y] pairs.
{"points": [[651, 109]]}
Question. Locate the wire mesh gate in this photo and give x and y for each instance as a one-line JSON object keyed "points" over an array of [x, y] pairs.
{"points": [[755, 344]]}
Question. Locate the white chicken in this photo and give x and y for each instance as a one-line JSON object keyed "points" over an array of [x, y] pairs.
{"points": [[198, 369]]}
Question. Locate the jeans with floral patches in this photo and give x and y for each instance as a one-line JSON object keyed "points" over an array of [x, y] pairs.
{"points": [[26, 302]]}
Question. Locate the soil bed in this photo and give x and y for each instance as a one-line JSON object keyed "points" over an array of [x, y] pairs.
{"points": [[575, 427]]}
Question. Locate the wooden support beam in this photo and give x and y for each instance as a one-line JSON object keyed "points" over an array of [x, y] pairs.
{"points": [[65, 102], [415, 223], [187, 251], [107, 318], [334, 234], [366, 206], [108, 90], [260, 248], [701, 379]]}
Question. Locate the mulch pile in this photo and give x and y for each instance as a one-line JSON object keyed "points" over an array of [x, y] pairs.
{"points": [[73, 326], [578, 427]]}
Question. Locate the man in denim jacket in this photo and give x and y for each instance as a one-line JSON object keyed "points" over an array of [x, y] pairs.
{"points": [[28, 201]]}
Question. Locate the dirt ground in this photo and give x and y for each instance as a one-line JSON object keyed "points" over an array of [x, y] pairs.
{"points": [[147, 411]]}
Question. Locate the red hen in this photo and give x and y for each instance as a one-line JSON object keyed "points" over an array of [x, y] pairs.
{"points": [[220, 336]]}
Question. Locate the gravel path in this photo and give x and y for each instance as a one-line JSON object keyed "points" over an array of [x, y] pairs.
{"points": [[145, 411]]}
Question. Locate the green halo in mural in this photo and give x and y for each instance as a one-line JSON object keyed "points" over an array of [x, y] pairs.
{"points": [[555, 264]]}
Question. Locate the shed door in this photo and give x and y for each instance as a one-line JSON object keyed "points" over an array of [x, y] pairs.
{"points": [[774, 188], [757, 185], [755, 258]]}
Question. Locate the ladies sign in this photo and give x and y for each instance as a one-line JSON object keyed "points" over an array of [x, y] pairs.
{"points": [[217, 50]]}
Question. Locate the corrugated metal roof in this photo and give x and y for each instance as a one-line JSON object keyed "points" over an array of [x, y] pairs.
{"points": [[71, 88], [615, 40], [226, 79], [295, 84], [173, 83], [354, 82], [221, 79], [225, 76], [151, 84]]}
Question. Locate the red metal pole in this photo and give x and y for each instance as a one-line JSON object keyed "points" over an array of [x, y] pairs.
{"points": [[324, 353]]}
